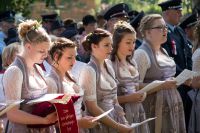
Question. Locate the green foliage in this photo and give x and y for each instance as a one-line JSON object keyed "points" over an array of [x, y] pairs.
{"points": [[148, 6], [50, 3], [16, 5]]}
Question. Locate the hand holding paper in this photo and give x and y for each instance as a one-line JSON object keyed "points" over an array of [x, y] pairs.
{"points": [[151, 86], [102, 115], [87, 122], [183, 76], [134, 125]]}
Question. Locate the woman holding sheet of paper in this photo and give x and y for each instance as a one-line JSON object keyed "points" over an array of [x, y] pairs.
{"points": [[98, 81], [24, 79], [153, 62], [195, 94], [125, 68], [60, 80]]}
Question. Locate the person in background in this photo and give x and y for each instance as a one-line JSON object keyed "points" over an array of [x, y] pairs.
{"points": [[164, 101], [12, 36], [114, 14], [194, 93], [188, 25], [89, 24], [178, 47], [100, 21], [132, 14], [8, 56], [98, 82], [48, 19], [57, 28], [69, 22], [71, 31], [6, 22], [26, 79], [135, 22], [126, 72]]}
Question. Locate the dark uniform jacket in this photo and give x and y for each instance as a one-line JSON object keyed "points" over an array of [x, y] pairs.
{"points": [[180, 49]]}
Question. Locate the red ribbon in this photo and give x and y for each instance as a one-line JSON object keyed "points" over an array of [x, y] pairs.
{"points": [[173, 44], [66, 115], [64, 107]]}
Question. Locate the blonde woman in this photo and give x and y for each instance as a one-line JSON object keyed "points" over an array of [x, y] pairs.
{"points": [[154, 63], [23, 79], [9, 53]]}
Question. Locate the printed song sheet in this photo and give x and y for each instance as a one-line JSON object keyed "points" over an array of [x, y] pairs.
{"points": [[46, 97], [102, 115], [183, 76], [134, 125], [151, 86]]}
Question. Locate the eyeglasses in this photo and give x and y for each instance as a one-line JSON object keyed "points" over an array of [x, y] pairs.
{"points": [[162, 27]]}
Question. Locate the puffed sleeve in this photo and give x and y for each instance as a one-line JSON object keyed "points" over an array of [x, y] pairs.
{"points": [[143, 62], [87, 81], [196, 61], [12, 82]]}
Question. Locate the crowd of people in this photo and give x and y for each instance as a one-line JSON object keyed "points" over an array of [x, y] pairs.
{"points": [[106, 61]]}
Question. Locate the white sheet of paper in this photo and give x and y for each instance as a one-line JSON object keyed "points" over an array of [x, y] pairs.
{"points": [[151, 86], [5, 107], [102, 115], [196, 74], [46, 97], [183, 76], [134, 125]]}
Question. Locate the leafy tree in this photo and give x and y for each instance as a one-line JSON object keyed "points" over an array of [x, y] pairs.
{"points": [[149, 6], [16, 5], [23, 6], [50, 3]]}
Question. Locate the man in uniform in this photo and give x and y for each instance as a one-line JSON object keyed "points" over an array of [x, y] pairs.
{"points": [[188, 25], [135, 22], [48, 20], [114, 14], [178, 47]]}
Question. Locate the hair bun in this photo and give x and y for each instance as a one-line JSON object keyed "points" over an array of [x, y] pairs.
{"points": [[27, 26]]}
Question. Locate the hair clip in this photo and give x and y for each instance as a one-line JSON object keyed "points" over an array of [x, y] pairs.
{"points": [[38, 24]]}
